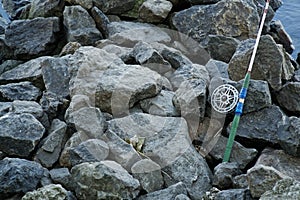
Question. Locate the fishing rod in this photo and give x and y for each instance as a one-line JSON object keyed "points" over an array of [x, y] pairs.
{"points": [[225, 97]]}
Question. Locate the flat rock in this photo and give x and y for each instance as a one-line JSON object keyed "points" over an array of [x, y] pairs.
{"points": [[19, 134], [80, 26], [52, 191], [288, 97], [19, 175], [271, 63], [19, 91], [103, 180], [42, 8], [114, 7], [32, 38], [155, 11]]}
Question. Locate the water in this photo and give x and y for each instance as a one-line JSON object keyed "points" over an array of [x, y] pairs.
{"points": [[289, 15]]}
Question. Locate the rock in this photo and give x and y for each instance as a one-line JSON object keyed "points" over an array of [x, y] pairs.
{"points": [[62, 176], [122, 52], [161, 105], [86, 4], [155, 11], [182, 197], [19, 91], [222, 48], [261, 179], [261, 126], [240, 154], [147, 56], [77, 102], [19, 176], [134, 12], [19, 134], [218, 19], [8, 65], [258, 95], [56, 76], [4, 108], [49, 152], [167, 194], [70, 48], [42, 8], [52, 191], [270, 64], [286, 164], [284, 189], [149, 175], [102, 180], [240, 181], [288, 97], [3, 25], [36, 37], [120, 87], [114, 7], [101, 21], [92, 150], [224, 173], [80, 26], [16, 7], [217, 69], [233, 194], [195, 2]]}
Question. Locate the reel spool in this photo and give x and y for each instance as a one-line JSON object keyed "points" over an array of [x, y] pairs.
{"points": [[224, 98]]}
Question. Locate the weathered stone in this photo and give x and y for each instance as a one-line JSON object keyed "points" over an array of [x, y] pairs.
{"points": [[80, 26], [225, 18], [19, 175], [224, 173], [120, 87], [33, 38], [196, 2], [270, 64], [284, 189], [4, 108], [233, 194], [116, 7], [101, 21], [77, 102], [240, 181], [8, 65], [167, 194], [3, 25], [262, 178], [19, 134], [87, 4], [289, 97], [15, 7], [149, 175], [56, 76], [286, 164], [52, 191], [182, 197], [258, 95], [70, 48], [6, 53], [289, 136], [217, 68], [43, 8], [221, 47], [155, 11], [62, 176], [49, 152], [240, 154], [100, 180], [92, 150], [161, 105], [19, 91], [122, 52]]}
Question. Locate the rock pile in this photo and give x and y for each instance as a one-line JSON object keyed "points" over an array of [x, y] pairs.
{"points": [[111, 100]]}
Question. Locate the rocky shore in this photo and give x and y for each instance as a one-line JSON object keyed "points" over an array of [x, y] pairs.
{"points": [[111, 100]]}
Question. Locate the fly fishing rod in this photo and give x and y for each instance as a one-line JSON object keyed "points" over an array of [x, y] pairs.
{"points": [[225, 97]]}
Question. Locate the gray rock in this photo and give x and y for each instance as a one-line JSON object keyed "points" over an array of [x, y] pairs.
{"points": [[80, 26], [224, 173], [77, 102], [161, 105], [240, 154], [122, 52], [240, 181], [3, 25], [233, 194], [182, 197], [19, 134], [101, 21], [200, 21], [262, 178], [35, 37], [49, 152], [261, 126], [92, 150], [19, 91], [149, 175], [258, 95], [120, 87], [15, 7], [62, 176], [56, 76], [6, 53], [100, 180], [195, 2], [86, 4], [42, 8], [69, 48], [4, 108], [114, 7], [283, 189], [270, 65], [155, 11], [52, 191], [8, 65], [221, 47], [167, 194], [19, 175], [286, 164], [147, 56], [217, 68], [288, 97]]}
